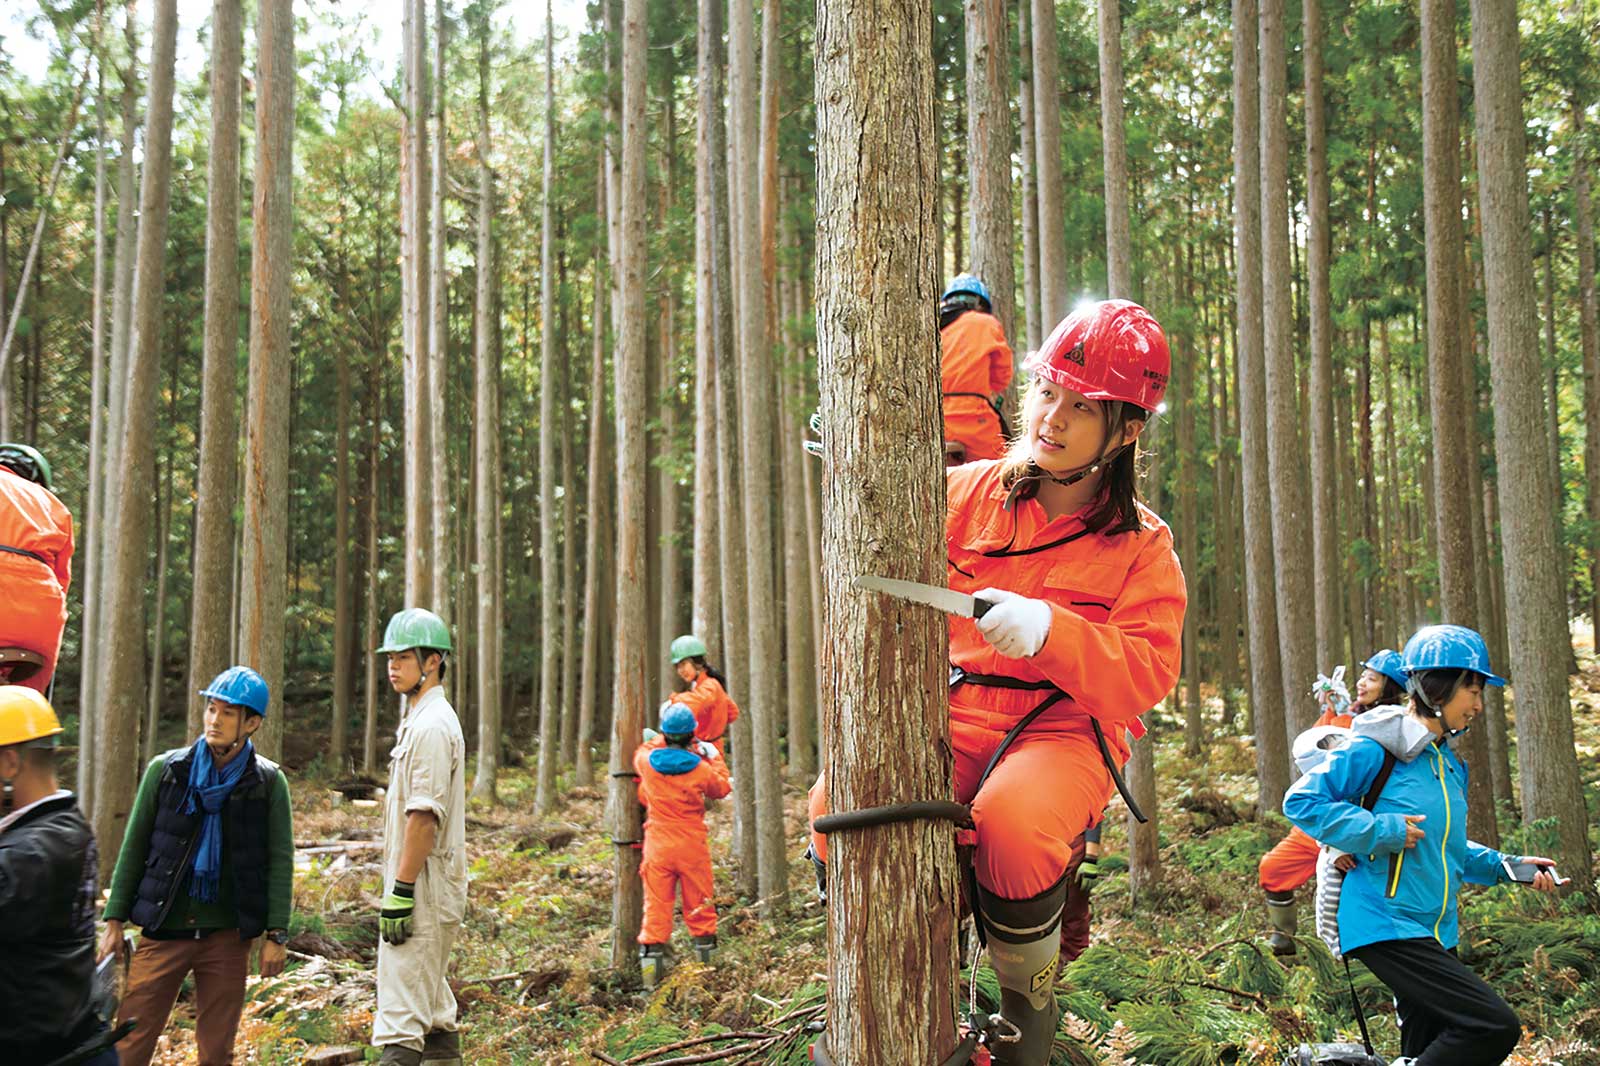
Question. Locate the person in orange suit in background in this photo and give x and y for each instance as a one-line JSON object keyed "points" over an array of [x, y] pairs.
{"points": [[677, 774], [1082, 635], [35, 568], [1293, 861], [707, 695], [974, 370]]}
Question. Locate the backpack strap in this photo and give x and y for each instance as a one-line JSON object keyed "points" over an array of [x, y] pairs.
{"points": [[1368, 801]]}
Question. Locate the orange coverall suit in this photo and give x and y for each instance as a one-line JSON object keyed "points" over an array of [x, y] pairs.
{"points": [[35, 571], [674, 784], [1293, 861], [714, 710], [1117, 606], [974, 364]]}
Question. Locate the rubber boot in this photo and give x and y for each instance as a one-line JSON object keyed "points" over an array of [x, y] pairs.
{"points": [[1281, 913], [704, 946], [443, 1047], [822, 875], [1024, 949], [396, 1055], [652, 963]]}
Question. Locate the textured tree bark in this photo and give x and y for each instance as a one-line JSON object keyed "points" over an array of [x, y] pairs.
{"points": [[569, 533], [599, 521], [1030, 181], [1291, 507], [710, 285], [1114, 151], [1548, 763], [369, 710], [1194, 732], [122, 682], [93, 539], [266, 466], [549, 560], [989, 146], [755, 393], [1261, 616], [891, 969], [623, 813], [1328, 587], [1053, 297], [439, 536], [414, 192], [1589, 339], [486, 454], [158, 620]]}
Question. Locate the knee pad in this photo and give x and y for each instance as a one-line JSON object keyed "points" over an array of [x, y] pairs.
{"points": [[1024, 940]]}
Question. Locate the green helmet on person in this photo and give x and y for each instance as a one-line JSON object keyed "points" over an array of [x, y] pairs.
{"points": [[26, 461], [687, 646], [415, 627]]}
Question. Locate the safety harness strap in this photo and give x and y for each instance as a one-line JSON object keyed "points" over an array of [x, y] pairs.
{"points": [[24, 551]]}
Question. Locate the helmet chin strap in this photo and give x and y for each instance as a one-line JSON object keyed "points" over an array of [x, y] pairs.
{"points": [[1028, 484], [1436, 710]]}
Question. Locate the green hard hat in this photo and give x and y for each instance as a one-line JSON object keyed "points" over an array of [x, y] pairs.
{"points": [[27, 462], [415, 627], [687, 646]]}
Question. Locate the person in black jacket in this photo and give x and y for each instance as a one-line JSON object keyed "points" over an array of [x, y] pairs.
{"points": [[49, 871]]}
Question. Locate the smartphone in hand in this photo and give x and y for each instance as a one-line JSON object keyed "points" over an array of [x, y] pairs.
{"points": [[1523, 872]]}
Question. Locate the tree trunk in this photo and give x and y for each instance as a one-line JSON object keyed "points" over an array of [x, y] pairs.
{"points": [[369, 730], [1030, 180], [266, 471], [1328, 586], [158, 626], [623, 814], [94, 539], [121, 684], [439, 538], [755, 395], [1266, 675], [418, 399], [216, 495], [1291, 509], [1053, 296], [1551, 786], [595, 552], [798, 634], [569, 536], [989, 149], [1589, 339], [1227, 565], [549, 560], [891, 970], [486, 454], [1119, 234]]}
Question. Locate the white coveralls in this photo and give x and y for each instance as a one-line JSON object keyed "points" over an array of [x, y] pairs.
{"points": [[426, 773]]}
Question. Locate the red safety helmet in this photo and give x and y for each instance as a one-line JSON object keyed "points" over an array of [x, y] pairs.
{"points": [[1111, 350]]}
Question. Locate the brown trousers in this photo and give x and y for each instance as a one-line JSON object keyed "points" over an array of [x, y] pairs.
{"points": [[219, 963]]}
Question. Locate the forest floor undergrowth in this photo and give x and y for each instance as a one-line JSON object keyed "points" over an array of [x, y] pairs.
{"points": [[1179, 979]]}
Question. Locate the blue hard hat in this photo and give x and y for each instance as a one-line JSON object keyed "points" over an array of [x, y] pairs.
{"points": [[239, 685], [677, 720], [1386, 661], [967, 283], [1447, 647]]}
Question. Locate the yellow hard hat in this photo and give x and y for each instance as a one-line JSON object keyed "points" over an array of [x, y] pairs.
{"points": [[26, 718]]}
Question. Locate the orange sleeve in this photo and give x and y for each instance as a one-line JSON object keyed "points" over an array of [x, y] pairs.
{"points": [[715, 783], [1000, 362], [640, 755], [62, 564], [1120, 668]]}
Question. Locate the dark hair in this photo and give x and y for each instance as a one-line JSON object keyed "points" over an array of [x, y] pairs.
{"points": [[422, 659], [677, 740], [711, 671], [1438, 686], [1117, 509], [39, 760], [1390, 693]]}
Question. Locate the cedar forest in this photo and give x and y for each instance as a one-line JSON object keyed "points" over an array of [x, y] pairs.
{"points": [[526, 321]]}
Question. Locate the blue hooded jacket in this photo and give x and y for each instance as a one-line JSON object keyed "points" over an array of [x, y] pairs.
{"points": [[1395, 893]]}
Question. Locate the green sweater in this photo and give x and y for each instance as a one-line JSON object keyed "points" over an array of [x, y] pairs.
{"points": [[190, 913]]}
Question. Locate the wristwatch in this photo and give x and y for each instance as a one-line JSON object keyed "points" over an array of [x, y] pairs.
{"points": [[278, 936]]}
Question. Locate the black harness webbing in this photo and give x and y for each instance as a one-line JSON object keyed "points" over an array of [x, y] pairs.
{"points": [[24, 551], [1368, 801]]}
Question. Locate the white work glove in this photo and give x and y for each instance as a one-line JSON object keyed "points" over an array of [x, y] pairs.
{"points": [[650, 734], [706, 749], [1016, 626]]}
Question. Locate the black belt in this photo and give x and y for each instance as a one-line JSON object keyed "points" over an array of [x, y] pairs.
{"points": [[24, 551], [1055, 695]]}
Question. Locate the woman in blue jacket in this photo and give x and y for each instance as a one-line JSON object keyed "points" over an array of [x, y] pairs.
{"points": [[1397, 912]]}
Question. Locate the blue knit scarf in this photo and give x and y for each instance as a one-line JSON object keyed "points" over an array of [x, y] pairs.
{"points": [[208, 791]]}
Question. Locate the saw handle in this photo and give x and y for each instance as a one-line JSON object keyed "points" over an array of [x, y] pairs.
{"points": [[980, 607]]}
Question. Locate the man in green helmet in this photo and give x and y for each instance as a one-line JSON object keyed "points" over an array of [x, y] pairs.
{"points": [[424, 851]]}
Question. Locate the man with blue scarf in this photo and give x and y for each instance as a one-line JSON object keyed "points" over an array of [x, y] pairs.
{"points": [[206, 867]]}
